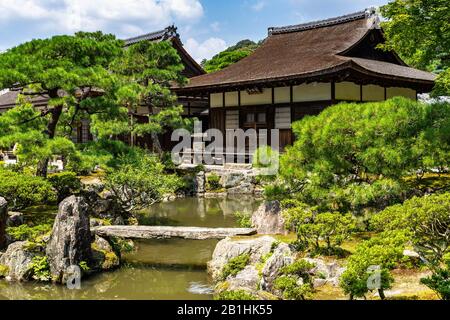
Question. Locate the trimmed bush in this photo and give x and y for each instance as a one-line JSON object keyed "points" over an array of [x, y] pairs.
{"points": [[22, 191], [65, 184], [235, 265]]}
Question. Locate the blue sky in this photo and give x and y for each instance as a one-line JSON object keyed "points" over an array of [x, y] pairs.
{"points": [[206, 26]]}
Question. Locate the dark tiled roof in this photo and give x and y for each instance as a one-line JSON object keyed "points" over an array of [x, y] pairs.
{"points": [[9, 98], [307, 50], [319, 24], [161, 35]]}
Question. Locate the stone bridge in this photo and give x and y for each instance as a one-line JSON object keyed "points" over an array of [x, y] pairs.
{"points": [[190, 233]]}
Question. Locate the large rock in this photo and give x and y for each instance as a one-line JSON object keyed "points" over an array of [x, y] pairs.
{"points": [[70, 242], [268, 219], [281, 257], [18, 261], [15, 219], [200, 183], [247, 279], [228, 249], [233, 179], [104, 206], [104, 257], [326, 272], [3, 220]]}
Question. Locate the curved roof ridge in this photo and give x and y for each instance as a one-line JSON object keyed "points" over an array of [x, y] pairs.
{"points": [[170, 31], [323, 23]]}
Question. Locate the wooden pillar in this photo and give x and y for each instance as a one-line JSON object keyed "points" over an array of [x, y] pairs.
{"points": [[333, 92]]}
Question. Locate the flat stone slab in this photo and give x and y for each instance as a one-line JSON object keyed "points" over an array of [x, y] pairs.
{"points": [[191, 233]]}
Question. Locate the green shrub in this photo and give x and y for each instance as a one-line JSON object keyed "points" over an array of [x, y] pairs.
{"points": [[25, 232], [439, 282], [65, 184], [22, 191], [352, 157], [141, 181], [235, 265], [41, 269], [299, 268], [291, 290], [244, 219], [384, 251], [312, 227], [426, 221], [266, 157], [213, 182], [235, 295], [120, 245], [84, 266]]}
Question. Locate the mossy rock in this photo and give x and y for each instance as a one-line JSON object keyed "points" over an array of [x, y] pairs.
{"points": [[4, 271], [104, 257]]}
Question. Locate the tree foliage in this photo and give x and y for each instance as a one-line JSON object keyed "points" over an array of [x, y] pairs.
{"points": [[139, 182], [86, 76], [371, 264], [230, 56], [145, 70], [72, 71], [312, 227], [23, 190], [353, 157], [426, 222], [419, 31]]}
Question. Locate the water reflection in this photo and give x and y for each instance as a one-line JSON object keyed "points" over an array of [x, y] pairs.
{"points": [[160, 269]]}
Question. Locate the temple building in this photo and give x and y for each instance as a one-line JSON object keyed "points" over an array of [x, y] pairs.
{"points": [[301, 69], [298, 70]]}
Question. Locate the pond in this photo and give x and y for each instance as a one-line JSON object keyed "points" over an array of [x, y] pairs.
{"points": [[159, 269]]}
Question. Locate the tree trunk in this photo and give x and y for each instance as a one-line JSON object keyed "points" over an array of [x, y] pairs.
{"points": [[381, 294], [55, 113], [156, 144]]}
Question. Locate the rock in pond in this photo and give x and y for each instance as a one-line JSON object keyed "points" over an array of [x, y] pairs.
{"points": [[70, 242], [228, 249], [3, 221], [268, 219], [17, 261], [103, 255]]}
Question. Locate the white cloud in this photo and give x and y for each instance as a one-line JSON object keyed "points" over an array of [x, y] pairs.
{"points": [[90, 15], [215, 26], [258, 6], [206, 49]]}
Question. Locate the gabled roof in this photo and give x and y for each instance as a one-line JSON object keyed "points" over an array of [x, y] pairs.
{"points": [[308, 51], [165, 34], [192, 68], [8, 99]]}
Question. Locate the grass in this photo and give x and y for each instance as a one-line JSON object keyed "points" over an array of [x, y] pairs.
{"points": [[406, 286]]}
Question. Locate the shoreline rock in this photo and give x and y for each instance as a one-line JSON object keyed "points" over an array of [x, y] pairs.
{"points": [[268, 219], [3, 222], [18, 260], [70, 242]]}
